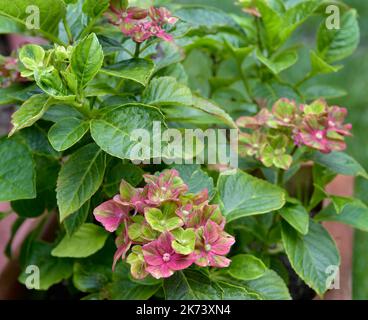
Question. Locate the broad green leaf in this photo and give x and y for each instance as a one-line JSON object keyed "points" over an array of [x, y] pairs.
{"points": [[354, 213], [280, 62], [91, 277], [312, 255], [30, 111], [32, 56], [127, 171], [86, 241], [17, 171], [95, 8], [321, 66], [138, 70], [79, 179], [360, 262], [340, 163], [297, 216], [52, 270], [87, 59], [195, 178], [8, 25], [213, 110], [167, 91], [67, 132], [115, 131], [240, 195], [314, 92], [281, 23], [73, 222], [246, 267], [25, 13], [337, 44], [51, 83]]}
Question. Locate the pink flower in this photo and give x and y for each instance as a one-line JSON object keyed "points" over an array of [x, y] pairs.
{"points": [[123, 244], [9, 72], [167, 186], [213, 246], [162, 261], [200, 216], [336, 119], [111, 214], [256, 122]]}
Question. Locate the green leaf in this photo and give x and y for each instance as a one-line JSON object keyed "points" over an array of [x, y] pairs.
{"points": [[87, 59], [354, 213], [86, 241], [52, 270], [337, 44], [321, 66], [340, 163], [184, 242], [32, 56], [50, 14], [73, 222], [138, 70], [91, 277], [297, 216], [113, 131], [9, 26], [51, 83], [167, 91], [311, 255], [17, 171], [246, 267], [322, 90], [127, 171], [281, 23], [279, 62], [79, 179], [95, 8], [195, 178], [212, 109], [67, 132], [240, 195], [30, 111]]}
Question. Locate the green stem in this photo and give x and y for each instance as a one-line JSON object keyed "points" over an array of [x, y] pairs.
{"points": [[68, 31], [137, 50]]}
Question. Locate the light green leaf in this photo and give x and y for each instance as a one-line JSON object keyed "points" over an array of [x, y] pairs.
{"points": [[17, 171], [323, 90], [246, 267], [67, 132], [354, 213], [138, 70], [321, 66], [79, 179], [297, 216], [167, 91], [240, 195], [95, 8], [113, 131], [337, 44], [86, 241], [52, 270], [51, 83], [311, 255], [32, 56], [195, 178], [50, 14], [87, 59], [279, 62], [30, 111], [340, 163]]}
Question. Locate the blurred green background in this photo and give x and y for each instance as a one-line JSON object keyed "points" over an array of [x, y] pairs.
{"points": [[354, 80]]}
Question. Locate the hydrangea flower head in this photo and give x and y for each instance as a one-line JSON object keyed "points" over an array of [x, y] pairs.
{"points": [[162, 228]]}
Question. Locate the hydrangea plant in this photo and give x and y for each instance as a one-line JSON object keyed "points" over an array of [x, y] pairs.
{"points": [[144, 229]]}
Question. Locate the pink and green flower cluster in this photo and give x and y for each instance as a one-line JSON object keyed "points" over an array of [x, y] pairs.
{"points": [[142, 24], [9, 72], [164, 227], [272, 135]]}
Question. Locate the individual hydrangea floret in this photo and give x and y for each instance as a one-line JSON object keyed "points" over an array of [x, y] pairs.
{"points": [[9, 72], [142, 24], [271, 136], [162, 228]]}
